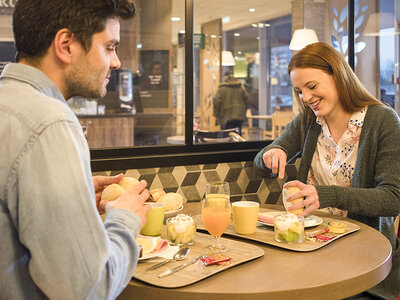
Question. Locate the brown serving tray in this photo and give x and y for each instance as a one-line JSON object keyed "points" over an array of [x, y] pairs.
{"points": [[240, 252], [265, 234]]}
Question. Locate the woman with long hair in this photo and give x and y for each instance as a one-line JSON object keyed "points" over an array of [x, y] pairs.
{"points": [[349, 143]]}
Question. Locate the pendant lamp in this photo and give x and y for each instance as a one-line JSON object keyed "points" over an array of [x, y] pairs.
{"points": [[303, 37]]}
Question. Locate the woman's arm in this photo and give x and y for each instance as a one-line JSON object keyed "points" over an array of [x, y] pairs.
{"points": [[289, 141]]}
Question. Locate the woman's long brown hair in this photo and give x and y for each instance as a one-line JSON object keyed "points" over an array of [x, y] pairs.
{"points": [[352, 94]]}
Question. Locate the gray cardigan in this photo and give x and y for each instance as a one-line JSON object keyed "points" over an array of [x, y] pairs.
{"points": [[374, 195]]}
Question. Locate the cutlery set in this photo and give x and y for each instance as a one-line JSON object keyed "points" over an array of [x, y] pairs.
{"points": [[178, 256], [176, 269]]}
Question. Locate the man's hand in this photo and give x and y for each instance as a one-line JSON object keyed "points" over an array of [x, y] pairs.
{"points": [[275, 159], [100, 183], [132, 199], [310, 194]]}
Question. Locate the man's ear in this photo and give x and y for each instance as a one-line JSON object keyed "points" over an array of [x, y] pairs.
{"points": [[64, 44]]}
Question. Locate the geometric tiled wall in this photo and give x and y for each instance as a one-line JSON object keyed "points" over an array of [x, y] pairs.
{"points": [[245, 181]]}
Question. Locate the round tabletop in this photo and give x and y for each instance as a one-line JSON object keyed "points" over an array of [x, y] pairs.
{"points": [[345, 267]]}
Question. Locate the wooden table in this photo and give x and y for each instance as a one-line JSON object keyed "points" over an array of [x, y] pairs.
{"points": [[260, 117], [347, 266]]}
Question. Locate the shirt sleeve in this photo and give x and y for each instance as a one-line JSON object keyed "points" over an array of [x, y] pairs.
{"points": [[72, 254]]}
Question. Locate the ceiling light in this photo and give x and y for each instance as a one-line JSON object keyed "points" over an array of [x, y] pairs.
{"points": [[252, 9], [227, 59], [175, 19], [236, 34], [377, 22], [182, 31], [213, 36], [303, 37], [254, 25], [226, 19], [239, 52]]}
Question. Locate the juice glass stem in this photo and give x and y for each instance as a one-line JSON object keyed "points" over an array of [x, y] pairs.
{"points": [[217, 247]]}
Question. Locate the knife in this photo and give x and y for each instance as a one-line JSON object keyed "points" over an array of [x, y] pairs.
{"points": [[176, 269], [156, 266]]}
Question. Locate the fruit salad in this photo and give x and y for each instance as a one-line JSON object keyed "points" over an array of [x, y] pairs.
{"points": [[289, 228], [181, 230]]}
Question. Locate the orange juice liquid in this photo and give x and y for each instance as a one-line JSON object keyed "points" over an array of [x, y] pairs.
{"points": [[216, 219]]}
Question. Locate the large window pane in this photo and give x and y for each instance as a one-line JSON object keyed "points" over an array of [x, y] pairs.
{"points": [[250, 41], [377, 48], [144, 105]]}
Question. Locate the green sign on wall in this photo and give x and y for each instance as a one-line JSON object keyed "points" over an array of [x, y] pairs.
{"points": [[198, 40]]}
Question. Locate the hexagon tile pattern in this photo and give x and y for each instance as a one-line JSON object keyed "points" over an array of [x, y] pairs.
{"points": [[245, 182]]}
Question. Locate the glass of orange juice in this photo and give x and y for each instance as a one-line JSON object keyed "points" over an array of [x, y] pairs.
{"points": [[216, 212]]}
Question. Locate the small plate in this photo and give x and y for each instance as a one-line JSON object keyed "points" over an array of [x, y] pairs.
{"points": [[144, 257], [309, 221], [172, 213]]}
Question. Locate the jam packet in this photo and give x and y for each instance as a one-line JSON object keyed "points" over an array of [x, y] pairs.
{"points": [[218, 259], [320, 235]]}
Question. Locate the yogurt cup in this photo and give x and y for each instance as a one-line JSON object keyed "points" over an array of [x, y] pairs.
{"points": [[181, 230], [289, 228]]}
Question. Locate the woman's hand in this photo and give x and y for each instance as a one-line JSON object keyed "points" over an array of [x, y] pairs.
{"points": [[100, 183], [275, 159], [310, 194]]}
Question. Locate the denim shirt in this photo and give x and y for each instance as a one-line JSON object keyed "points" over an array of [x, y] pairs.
{"points": [[52, 240]]}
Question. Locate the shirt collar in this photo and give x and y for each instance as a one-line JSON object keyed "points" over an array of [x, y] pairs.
{"points": [[34, 77], [357, 118]]}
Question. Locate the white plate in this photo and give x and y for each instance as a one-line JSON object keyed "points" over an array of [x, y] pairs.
{"points": [[309, 221], [172, 213], [144, 257]]}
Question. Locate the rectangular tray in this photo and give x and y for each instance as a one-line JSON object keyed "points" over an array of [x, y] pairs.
{"points": [[240, 252], [265, 234]]}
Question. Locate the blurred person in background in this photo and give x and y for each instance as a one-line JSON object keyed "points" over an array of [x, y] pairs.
{"points": [[231, 103]]}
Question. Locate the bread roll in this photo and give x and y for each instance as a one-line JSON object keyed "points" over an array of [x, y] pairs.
{"points": [[286, 192], [156, 194], [112, 192], [172, 201], [128, 182]]}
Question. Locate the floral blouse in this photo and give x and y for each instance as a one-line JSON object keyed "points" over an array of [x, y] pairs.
{"points": [[333, 164]]}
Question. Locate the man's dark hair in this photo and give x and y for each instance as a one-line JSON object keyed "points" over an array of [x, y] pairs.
{"points": [[36, 22]]}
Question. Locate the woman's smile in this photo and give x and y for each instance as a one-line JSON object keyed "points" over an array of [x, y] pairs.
{"points": [[314, 105]]}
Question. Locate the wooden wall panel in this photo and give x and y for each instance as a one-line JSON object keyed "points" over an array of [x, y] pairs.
{"points": [[210, 72]]}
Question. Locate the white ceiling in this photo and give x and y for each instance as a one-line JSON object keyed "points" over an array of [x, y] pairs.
{"points": [[237, 10]]}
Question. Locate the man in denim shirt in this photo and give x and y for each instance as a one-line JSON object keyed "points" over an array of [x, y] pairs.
{"points": [[52, 240]]}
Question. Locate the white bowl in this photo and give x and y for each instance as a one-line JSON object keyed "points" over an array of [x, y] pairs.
{"points": [[172, 213]]}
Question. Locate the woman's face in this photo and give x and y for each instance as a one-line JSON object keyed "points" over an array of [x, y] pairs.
{"points": [[317, 90]]}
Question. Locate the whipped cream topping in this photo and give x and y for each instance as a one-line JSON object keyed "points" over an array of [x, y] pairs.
{"points": [[284, 221], [181, 222]]}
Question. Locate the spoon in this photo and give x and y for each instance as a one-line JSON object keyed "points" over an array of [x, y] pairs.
{"points": [[180, 255]]}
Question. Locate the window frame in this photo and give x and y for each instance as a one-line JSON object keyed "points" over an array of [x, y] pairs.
{"points": [[189, 154]]}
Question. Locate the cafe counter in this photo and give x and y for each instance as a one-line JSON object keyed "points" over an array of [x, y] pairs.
{"points": [[119, 129]]}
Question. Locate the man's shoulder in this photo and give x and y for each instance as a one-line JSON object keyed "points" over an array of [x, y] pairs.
{"points": [[33, 108]]}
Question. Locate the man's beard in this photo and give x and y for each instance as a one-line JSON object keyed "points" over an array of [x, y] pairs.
{"points": [[83, 81], [82, 89]]}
